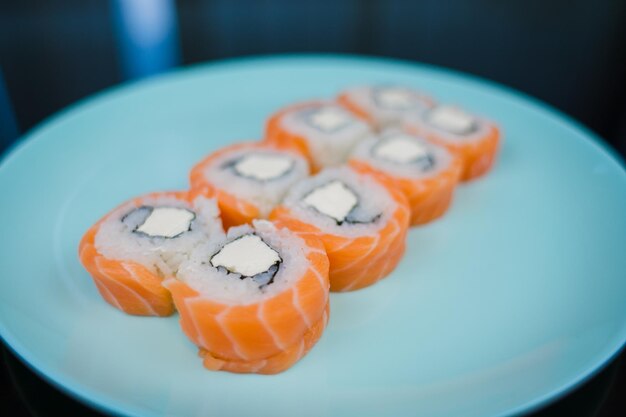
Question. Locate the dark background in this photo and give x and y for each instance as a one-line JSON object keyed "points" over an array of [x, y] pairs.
{"points": [[571, 54]]}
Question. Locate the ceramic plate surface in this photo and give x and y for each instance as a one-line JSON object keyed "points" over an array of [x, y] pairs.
{"points": [[511, 299]]}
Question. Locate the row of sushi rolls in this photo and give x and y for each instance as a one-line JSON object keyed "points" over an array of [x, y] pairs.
{"points": [[323, 203]]}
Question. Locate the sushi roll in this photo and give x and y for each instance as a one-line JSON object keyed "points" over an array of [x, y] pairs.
{"points": [[362, 223], [426, 173], [383, 105], [132, 249], [256, 301], [322, 130], [248, 179], [473, 138]]}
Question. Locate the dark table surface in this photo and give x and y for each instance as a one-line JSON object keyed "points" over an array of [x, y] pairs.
{"points": [[24, 393]]}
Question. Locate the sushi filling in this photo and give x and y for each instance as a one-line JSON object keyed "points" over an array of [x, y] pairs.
{"points": [[394, 98], [249, 257], [452, 119], [403, 149], [262, 167], [327, 119], [163, 222], [335, 200]]}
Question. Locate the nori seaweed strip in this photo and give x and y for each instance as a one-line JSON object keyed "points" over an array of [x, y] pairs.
{"points": [[231, 163], [427, 162], [350, 220], [135, 210]]}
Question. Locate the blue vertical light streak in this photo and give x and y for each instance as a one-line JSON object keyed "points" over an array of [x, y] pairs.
{"points": [[147, 35], [8, 124]]}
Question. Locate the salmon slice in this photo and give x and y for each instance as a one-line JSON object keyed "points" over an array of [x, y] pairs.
{"points": [[273, 364], [345, 100], [361, 110], [256, 331], [234, 210], [357, 262], [477, 156], [429, 198], [284, 139], [127, 285]]}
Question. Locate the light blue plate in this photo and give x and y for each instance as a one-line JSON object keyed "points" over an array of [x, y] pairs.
{"points": [[514, 297]]}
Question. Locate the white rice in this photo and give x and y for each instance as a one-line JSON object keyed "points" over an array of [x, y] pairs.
{"points": [[263, 194], [366, 152], [115, 239], [418, 122], [327, 148], [366, 98], [221, 286], [374, 200]]}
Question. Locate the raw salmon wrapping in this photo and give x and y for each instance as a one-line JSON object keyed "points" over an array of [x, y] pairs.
{"points": [[256, 301], [474, 139], [384, 105], [426, 173], [362, 223], [130, 251], [324, 131], [248, 179]]}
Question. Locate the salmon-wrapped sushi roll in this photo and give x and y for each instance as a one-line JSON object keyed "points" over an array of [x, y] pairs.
{"points": [[132, 249], [322, 130], [248, 179], [473, 138], [384, 105], [256, 301], [362, 223], [426, 173]]}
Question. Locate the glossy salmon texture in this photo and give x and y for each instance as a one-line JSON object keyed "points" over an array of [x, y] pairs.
{"points": [[284, 139], [477, 156], [266, 336], [357, 262], [345, 99], [272, 364], [429, 198], [127, 285], [234, 210]]}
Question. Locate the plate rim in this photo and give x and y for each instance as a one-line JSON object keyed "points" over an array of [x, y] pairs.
{"points": [[105, 403]]}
